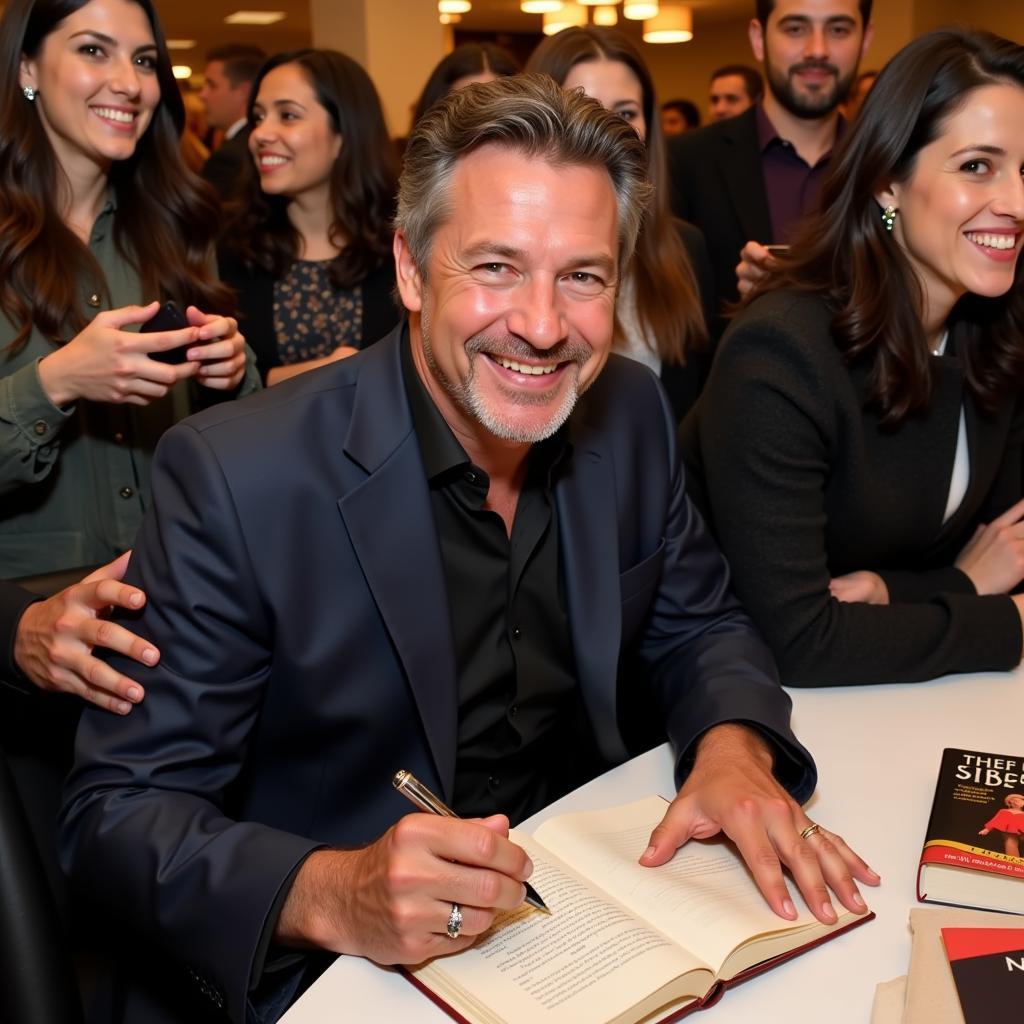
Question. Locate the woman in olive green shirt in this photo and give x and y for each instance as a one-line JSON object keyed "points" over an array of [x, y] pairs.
{"points": [[98, 216]]}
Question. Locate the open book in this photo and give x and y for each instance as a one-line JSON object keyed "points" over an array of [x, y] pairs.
{"points": [[624, 944]]}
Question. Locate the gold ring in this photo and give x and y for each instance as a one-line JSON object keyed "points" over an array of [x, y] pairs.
{"points": [[810, 830]]}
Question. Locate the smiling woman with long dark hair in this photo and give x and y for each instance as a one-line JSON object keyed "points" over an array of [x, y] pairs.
{"points": [[98, 216], [858, 446], [309, 245]]}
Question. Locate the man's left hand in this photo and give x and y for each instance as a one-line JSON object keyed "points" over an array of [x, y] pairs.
{"points": [[731, 789]]}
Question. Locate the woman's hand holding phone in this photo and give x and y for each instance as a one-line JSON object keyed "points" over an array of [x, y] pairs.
{"points": [[106, 363], [220, 349]]}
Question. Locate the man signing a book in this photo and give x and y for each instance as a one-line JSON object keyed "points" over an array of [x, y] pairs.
{"points": [[466, 552]]}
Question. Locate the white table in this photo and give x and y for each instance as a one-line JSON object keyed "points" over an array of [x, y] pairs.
{"points": [[878, 751]]}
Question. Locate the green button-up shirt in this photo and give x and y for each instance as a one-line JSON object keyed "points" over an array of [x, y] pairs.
{"points": [[74, 481]]}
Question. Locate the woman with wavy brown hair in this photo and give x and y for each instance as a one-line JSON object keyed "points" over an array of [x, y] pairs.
{"points": [[858, 447], [662, 301], [98, 216], [309, 245]]}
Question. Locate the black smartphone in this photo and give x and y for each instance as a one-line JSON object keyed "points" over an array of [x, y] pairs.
{"points": [[168, 317]]}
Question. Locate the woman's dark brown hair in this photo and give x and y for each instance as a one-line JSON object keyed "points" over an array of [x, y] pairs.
{"points": [[464, 60], [363, 184], [667, 301], [165, 220], [844, 252]]}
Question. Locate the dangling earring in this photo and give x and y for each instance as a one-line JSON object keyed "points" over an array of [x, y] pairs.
{"points": [[29, 93], [889, 217]]}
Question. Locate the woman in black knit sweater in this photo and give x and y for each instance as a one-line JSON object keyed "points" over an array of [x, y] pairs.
{"points": [[857, 449]]}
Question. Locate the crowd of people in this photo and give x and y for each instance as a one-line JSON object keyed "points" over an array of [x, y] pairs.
{"points": [[613, 427]]}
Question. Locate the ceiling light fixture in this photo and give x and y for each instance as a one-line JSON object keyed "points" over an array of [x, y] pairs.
{"points": [[254, 17], [673, 24], [540, 6], [180, 44], [606, 15], [181, 71], [572, 15], [453, 6], [638, 11]]}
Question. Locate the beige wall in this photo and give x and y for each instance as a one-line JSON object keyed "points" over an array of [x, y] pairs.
{"points": [[1005, 17], [398, 43]]}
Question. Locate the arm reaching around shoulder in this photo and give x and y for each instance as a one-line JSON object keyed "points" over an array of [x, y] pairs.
{"points": [[731, 789], [55, 640], [391, 900]]}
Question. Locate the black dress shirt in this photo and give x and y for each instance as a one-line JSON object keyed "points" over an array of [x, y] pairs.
{"points": [[522, 738]]}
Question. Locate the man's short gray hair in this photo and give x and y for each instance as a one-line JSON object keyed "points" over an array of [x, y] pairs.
{"points": [[529, 114]]}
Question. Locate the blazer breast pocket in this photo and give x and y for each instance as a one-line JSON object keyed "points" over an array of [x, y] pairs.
{"points": [[637, 587]]}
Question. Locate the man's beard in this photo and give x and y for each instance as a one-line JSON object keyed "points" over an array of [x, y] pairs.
{"points": [[808, 105], [467, 397]]}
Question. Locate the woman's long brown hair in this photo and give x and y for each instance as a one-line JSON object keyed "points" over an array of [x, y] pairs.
{"points": [[166, 217], [363, 185], [667, 300], [844, 252]]}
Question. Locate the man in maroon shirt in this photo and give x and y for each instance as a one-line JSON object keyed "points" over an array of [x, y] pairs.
{"points": [[746, 182]]}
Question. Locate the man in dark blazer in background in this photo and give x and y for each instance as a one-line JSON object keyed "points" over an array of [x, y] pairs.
{"points": [[431, 556], [747, 181], [230, 72]]}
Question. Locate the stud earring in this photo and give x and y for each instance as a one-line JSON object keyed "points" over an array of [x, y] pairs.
{"points": [[29, 93], [889, 217]]}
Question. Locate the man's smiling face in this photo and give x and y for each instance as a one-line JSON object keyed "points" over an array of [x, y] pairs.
{"points": [[514, 317]]}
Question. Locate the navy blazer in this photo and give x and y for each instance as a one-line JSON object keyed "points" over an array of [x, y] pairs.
{"points": [[297, 593]]}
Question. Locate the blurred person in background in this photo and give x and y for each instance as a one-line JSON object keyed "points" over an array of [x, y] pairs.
{"points": [[660, 315], [468, 63], [678, 116], [733, 89], [227, 80], [308, 245]]}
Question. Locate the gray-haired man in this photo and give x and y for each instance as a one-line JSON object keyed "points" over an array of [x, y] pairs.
{"points": [[466, 552]]}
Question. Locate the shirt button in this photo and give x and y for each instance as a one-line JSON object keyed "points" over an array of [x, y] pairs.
{"points": [[513, 711], [39, 427], [93, 300], [119, 438], [470, 476], [494, 782], [516, 634], [126, 492]]}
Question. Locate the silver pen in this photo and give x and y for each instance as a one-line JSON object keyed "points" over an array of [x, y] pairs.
{"points": [[410, 787]]}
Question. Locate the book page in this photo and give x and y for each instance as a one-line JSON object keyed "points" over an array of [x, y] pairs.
{"points": [[704, 898], [589, 960]]}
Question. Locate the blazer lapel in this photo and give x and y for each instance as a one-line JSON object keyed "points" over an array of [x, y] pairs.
{"points": [[391, 525], [739, 161], [588, 533]]}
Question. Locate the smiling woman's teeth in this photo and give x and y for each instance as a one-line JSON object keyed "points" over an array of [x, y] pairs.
{"points": [[992, 241], [524, 368], [125, 116]]}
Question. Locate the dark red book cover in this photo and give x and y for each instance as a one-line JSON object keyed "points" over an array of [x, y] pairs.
{"points": [[988, 969]]}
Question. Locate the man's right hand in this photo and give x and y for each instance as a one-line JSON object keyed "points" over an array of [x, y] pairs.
{"points": [[755, 262], [390, 901]]}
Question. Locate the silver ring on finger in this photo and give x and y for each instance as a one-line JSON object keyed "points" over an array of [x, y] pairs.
{"points": [[810, 830], [454, 928]]}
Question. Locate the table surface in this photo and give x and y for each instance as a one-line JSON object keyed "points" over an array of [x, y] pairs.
{"points": [[877, 750]]}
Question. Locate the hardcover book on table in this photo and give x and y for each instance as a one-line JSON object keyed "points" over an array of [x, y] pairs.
{"points": [[988, 969], [623, 944], [972, 849]]}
